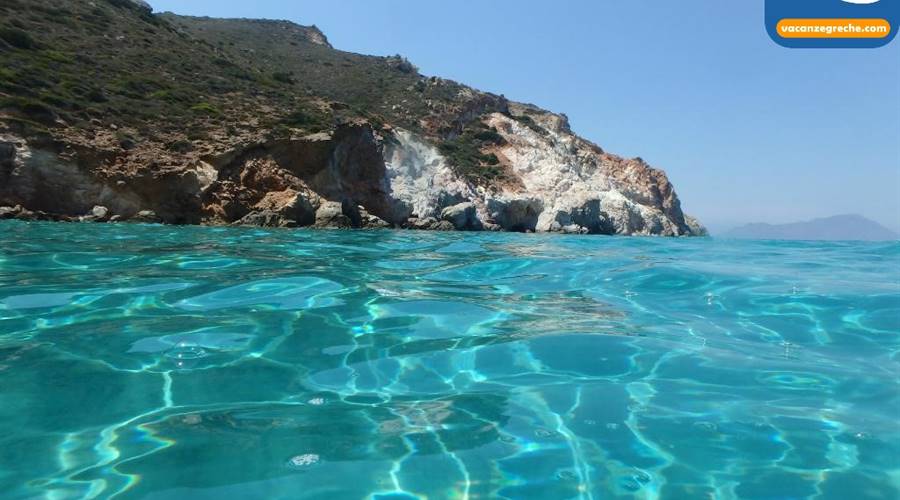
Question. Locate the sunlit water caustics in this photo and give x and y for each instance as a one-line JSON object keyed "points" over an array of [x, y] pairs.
{"points": [[158, 362]]}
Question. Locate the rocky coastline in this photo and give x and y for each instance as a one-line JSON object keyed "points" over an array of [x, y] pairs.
{"points": [[264, 123], [353, 177]]}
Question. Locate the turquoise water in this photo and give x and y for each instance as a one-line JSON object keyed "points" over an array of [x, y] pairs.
{"points": [[206, 363]]}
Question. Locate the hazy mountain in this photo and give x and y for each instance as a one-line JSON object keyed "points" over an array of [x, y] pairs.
{"points": [[837, 227]]}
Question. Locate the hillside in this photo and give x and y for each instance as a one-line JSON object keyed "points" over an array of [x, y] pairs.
{"points": [[200, 120]]}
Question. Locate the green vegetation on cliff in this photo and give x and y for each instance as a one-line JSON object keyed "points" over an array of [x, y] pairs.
{"points": [[466, 153], [82, 67], [69, 64]]}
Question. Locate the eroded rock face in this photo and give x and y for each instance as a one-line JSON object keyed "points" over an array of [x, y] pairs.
{"points": [[569, 181], [7, 155], [331, 214], [355, 177], [420, 181], [462, 216], [146, 216], [40, 179], [697, 229], [287, 208], [562, 183]]}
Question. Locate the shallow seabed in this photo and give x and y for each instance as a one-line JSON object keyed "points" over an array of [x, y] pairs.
{"points": [[158, 362]]}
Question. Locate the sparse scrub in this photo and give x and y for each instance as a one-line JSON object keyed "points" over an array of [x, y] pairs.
{"points": [[466, 153], [206, 108], [306, 119], [17, 38], [31, 109], [283, 77], [111, 61], [530, 123]]}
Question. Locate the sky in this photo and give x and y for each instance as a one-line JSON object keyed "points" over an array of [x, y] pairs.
{"points": [[747, 131]]}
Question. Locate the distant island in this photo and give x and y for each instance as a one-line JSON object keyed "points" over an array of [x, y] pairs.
{"points": [[837, 227]]}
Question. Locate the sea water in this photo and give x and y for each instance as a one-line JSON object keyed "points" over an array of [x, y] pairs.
{"points": [[159, 362]]}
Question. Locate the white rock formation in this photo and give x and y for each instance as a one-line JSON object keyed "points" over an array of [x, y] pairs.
{"points": [[564, 183], [420, 178]]}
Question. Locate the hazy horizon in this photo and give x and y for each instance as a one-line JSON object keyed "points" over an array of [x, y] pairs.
{"points": [[746, 130]]}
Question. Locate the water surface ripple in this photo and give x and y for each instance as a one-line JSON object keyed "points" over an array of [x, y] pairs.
{"points": [[141, 361]]}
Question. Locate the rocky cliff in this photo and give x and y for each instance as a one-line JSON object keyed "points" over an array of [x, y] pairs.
{"points": [[109, 112]]}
